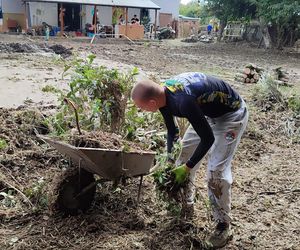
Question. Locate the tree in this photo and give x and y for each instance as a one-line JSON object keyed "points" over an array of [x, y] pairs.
{"points": [[282, 17], [229, 10], [279, 19], [192, 9]]}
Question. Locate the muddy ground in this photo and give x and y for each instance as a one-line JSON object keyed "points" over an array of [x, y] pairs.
{"points": [[266, 188]]}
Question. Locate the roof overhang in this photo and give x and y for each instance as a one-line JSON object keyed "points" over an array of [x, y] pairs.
{"points": [[188, 18], [140, 4]]}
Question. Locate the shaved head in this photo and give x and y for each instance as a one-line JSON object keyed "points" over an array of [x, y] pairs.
{"points": [[145, 90], [148, 95]]}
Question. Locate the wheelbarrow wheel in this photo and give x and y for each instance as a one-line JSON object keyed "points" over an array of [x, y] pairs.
{"points": [[76, 191]]}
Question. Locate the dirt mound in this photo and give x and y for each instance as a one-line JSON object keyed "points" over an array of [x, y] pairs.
{"points": [[61, 50], [35, 48], [100, 139]]}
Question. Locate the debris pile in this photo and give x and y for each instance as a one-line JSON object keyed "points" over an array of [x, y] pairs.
{"points": [[199, 38], [281, 76], [190, 39], [100, 139], [250, 74], [61, 50], [206, 39], [35, 48]]}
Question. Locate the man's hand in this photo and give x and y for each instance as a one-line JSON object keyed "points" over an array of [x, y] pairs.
{"points": [[181, 174]]}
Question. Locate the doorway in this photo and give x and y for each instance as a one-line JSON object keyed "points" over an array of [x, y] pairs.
{"points": [[71, 16], [144, 18]]}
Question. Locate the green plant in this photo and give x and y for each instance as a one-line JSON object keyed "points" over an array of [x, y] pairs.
{"points": [[36, 193], [50, 88], [145, 20], [9, 199], [294, 103], [140, 126], [115, 17], [168, 190], [99, 94], [3, 144], [267, 94]]}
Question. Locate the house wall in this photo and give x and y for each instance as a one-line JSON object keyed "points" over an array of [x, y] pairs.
{"points": [[12, 6], [104, 15], [188, 27], [14, 10], [43, 12], [168, 7]]}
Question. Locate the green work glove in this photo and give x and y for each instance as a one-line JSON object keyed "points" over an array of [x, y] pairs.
{"points": [[181, 174]]}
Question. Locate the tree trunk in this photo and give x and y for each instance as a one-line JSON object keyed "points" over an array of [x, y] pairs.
{"points": [[265, 35], [222, 27]]}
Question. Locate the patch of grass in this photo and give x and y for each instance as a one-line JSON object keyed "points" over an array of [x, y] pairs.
{"points": [[49, 89], [3, 144], [7, 199], [294, 103], [267, 94], [218, 72], [36, 193]]}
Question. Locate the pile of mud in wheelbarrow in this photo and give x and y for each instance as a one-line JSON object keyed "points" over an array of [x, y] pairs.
{"points": [[90, 158]]}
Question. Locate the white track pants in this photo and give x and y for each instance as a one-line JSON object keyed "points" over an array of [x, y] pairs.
{"points": [[228, 130]]}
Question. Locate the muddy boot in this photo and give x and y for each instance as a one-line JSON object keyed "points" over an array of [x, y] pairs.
{"points": [[220, 236], [188, 202]]}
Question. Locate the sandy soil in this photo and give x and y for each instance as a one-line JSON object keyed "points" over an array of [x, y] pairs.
{"points": [[266, 189]]}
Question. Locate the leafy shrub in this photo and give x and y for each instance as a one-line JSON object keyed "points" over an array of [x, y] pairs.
{"points": [[267, 93], [99, 94], [3, 144], [294, 103]]}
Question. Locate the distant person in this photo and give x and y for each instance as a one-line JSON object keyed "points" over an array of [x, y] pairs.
{"points": [[135, 20], [121, 20], [209, 29], [216, 27], [1, 16]]}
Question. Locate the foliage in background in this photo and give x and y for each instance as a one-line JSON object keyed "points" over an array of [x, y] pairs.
{"points": [[117, 13], [191, 9], [283, 17], [228, 10]]}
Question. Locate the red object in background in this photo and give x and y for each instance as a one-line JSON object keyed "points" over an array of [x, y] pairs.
{"points": [[77, 33]]}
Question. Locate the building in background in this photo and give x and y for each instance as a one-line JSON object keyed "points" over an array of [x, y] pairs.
{"points": [[168, 13], [78, 13], [188, 26], [13, 15]]}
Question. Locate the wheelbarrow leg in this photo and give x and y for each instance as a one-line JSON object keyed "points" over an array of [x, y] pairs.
{"points": [[140, 190]]}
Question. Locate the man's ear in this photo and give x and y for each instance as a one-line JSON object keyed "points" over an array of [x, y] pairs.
{"points": [[152, 103]]}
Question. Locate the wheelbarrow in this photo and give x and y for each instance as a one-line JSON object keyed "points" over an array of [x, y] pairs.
{"points": [[77, 190]]}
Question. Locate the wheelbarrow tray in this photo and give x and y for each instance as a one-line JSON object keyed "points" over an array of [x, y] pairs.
{"points": [[108, 163]]}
